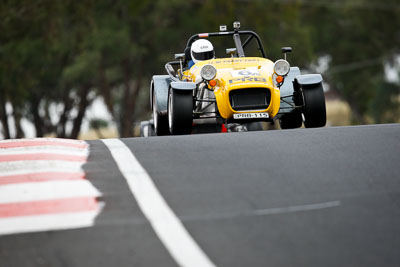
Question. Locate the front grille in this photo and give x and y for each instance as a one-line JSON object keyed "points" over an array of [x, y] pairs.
{"points": [[250, 99]]}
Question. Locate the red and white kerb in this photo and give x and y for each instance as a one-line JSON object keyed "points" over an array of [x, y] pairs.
{"points": [[43, 186]]}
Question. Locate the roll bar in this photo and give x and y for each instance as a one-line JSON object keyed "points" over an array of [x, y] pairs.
{"points": [[236, 37]]}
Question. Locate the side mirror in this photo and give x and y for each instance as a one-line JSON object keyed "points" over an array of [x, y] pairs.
{"points": [[180, 56], [286, 50]]}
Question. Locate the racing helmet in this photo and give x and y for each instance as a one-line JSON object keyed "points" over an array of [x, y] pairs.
{"points": [[201, 49]]}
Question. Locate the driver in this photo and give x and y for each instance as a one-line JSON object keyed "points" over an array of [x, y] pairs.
{"points": [[200, 50]]}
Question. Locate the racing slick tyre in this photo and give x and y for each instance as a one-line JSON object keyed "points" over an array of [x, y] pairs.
{"points": [[160, 122], [147, 129], [144, 129], [291, 120], [314, 109], [180, 111]]}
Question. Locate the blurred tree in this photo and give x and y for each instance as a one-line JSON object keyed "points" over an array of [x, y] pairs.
{"points": [[98, 124], [360, 37], [35, 47]]}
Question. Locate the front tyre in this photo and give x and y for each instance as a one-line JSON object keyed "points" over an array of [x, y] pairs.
{"points": [[314, 109], [180, 111]]}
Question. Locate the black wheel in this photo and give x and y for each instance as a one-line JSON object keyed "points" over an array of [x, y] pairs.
{"points": [[314, 109], [291, 120], [180, 111], [254, 126], [160, 122]]}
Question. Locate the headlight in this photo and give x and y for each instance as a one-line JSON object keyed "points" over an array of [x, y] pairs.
{"points": [[208, 72], [281, 67]]}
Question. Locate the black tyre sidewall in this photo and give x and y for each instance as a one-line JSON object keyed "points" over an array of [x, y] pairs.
{"points": [[314, 106], [181, 111]]}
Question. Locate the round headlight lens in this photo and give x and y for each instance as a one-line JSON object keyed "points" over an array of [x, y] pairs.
{"points": [[208, 72], [281, 67]]}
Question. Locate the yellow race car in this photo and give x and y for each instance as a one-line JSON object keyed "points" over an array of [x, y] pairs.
{"points": [[235, 89]]}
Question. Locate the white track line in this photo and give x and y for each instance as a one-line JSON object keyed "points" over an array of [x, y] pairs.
{"points": [[23, 192], [38, 223], [307, 207], [166, 225]]}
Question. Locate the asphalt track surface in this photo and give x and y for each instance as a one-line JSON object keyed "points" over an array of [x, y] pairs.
{"points": [[305, 197]]}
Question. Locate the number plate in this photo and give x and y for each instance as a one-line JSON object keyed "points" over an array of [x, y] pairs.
{"points": [[251, 116]]}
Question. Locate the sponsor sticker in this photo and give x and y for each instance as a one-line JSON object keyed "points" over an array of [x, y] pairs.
{"points": [[245, 72], [248, 79]]}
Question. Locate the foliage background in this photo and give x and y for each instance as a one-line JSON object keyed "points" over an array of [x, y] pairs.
{"points": [[58, 56]]}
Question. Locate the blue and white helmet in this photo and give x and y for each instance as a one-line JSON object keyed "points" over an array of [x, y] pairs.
{"points": [[202, 49]]}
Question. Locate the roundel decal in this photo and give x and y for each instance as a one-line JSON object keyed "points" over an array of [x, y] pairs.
{"points": [[245, 73]]}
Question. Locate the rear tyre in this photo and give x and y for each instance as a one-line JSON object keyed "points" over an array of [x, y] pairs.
{"points": [[291, 120], [314, 109], [144, 128], [180, 111], [160, 122]]}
